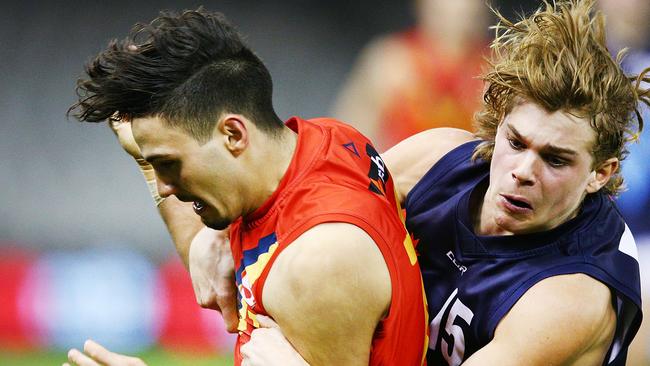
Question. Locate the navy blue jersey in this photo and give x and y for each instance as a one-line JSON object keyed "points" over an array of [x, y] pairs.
{"points": [[472, 281]]}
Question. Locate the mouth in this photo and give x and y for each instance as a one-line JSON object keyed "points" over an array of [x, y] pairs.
{"points": [[516, 204]]}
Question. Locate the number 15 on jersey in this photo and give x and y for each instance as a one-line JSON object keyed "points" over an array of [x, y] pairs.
{"points": [[447, 329]]}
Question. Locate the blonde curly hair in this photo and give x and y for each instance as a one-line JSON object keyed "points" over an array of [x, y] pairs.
{"points": [[557, 59]]}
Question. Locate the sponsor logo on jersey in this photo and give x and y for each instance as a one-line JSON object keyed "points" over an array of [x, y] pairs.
{"points": [[378, 173], [246, 291], [351, 147], [460, 267]]}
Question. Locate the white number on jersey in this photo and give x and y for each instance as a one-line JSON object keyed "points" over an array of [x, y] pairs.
{"points": [[451, 339]]}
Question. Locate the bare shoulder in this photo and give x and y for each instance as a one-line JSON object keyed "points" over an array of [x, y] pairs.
{"points": [[409, 160], [569, 314], [328, 290]]}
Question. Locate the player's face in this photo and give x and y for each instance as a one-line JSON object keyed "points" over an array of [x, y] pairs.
{"points": [[540, 172], [200, 173]]}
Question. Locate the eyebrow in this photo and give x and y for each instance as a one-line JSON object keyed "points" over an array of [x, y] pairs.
{"points": [[548, 147]]}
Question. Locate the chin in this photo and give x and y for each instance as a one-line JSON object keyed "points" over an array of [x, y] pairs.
{"points": [[509, 226], [216, 224]]}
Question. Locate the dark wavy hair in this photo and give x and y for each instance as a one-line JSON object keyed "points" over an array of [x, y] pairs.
{"points": [[558, 59], [185, 68]]}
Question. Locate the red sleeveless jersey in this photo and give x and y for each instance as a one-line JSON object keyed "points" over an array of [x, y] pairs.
{"points": [[335, 176]]}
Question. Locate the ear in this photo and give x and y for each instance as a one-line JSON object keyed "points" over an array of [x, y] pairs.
{"points": [[601, 175], [233, 129]]}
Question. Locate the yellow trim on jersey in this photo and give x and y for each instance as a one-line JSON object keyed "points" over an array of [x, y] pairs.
{"points": [[253, 272], [426, 324]]}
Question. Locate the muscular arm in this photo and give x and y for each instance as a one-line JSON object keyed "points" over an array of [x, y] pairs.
{"points": [[182, 223], [328, 291], [412, 158], [563, 320]]}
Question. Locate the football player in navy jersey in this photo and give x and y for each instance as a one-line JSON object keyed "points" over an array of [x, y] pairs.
{"points": [[524, 256], [525, 259]]}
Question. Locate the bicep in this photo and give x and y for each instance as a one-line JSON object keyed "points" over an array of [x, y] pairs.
{"points": [[328, 290], [562, 320]]}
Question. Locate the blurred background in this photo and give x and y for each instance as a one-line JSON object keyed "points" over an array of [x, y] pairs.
{"points": [[83, 252]]}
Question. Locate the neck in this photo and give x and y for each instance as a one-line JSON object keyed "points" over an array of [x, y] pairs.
{"points": [[270, 164]]}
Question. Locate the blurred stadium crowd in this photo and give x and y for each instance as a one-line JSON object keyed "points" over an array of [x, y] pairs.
{"points": [[52, 300], [131, 297]]}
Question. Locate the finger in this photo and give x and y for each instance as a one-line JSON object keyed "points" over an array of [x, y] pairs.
{"points": [[79, 359], [121, 129], [244, 350], [114, 124], [118, 128], [207, 301], [229, 312], [101, 354], [205, 298], [266, 322]]}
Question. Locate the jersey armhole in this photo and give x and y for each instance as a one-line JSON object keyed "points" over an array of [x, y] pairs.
{"points": [[627, 310], [285, 239], [437, 172]]}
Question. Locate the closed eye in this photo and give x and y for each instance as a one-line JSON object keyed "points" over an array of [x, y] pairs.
{"points": [[556, 161], [165, 167]]}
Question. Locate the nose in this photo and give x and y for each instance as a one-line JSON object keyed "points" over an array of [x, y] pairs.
{"points": [[165, 189], [524, 172]]}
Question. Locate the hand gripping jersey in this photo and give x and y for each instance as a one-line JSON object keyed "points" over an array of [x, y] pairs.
{"points": [[472, 281], [335, 176]]}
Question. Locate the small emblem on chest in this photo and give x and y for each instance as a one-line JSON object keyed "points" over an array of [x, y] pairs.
{"points": [[460, 267]]}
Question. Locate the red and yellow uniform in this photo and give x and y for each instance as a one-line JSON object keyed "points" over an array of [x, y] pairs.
{"points": [[335, 176]]}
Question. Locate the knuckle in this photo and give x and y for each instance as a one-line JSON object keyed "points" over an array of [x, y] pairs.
{"points": [[231, 327], [222, 298]]}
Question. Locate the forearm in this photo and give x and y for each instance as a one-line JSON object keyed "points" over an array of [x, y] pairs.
{"points": [[179, 217], [182, 223]]}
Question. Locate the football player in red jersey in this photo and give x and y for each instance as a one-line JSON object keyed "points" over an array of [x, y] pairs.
{"points": [[316, 237]]}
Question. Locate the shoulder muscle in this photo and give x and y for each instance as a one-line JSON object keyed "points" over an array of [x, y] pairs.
{"points": [[328, 290]]}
